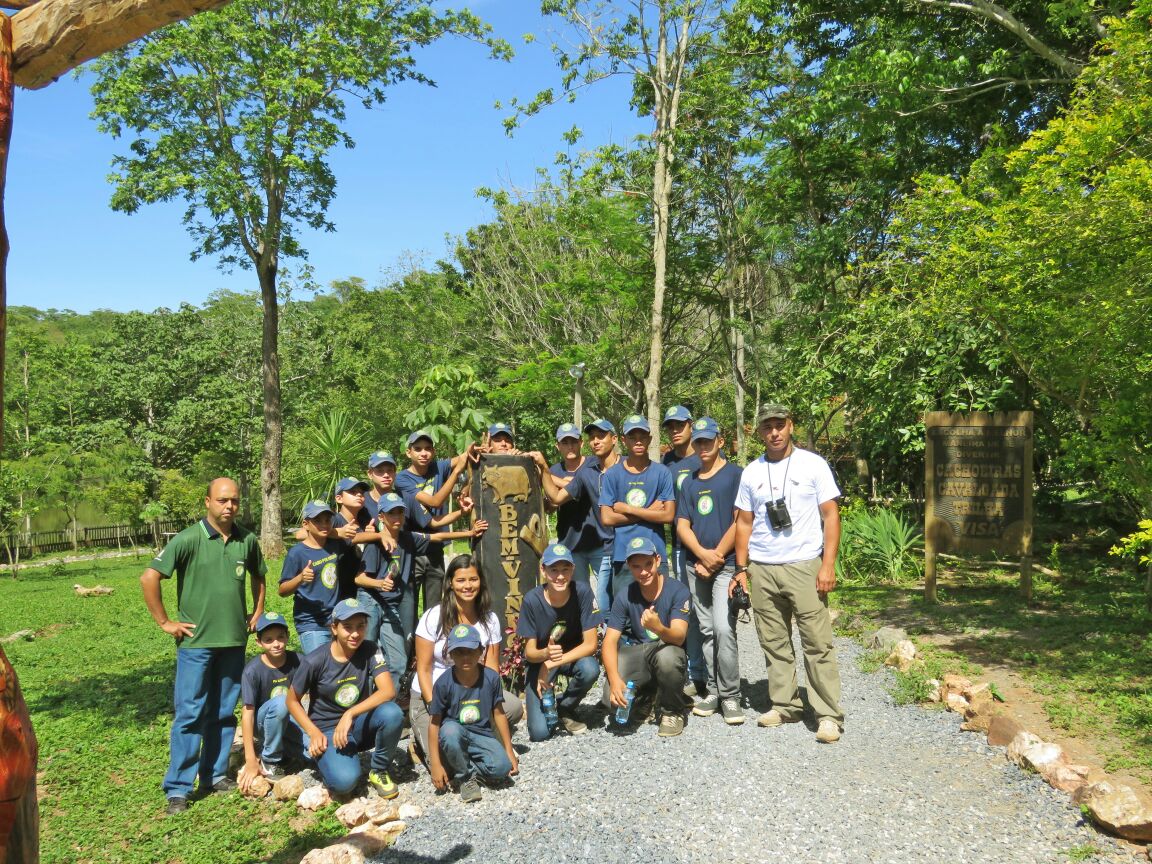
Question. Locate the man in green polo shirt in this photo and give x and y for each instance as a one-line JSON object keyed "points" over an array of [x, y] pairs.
{"points": [[209, 560]]}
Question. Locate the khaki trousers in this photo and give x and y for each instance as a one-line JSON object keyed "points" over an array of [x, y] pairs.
{"points": [[781, 593]]}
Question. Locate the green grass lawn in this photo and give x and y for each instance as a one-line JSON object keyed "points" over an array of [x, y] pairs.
{"points": [[98, 681], [1084, 643]]}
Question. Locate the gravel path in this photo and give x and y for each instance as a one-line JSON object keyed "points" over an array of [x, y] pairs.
{"points": [[902, 785]]}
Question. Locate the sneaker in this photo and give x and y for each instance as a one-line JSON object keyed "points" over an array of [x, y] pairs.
{"points": [[573, 725], [226, 784], [470, 791], [176, 804], [383, 784], [707, 706], [775, 718], [828, 732], [671, 725], [272, 770], [733, 713], [695, 688]]}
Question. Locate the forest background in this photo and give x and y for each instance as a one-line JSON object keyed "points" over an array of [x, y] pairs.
{"points": [[864, 210]]}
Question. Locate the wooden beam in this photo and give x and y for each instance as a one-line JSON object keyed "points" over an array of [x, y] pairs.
{"points": [[54, 36]]}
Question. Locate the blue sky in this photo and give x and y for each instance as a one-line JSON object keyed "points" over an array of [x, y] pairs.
{"points": [[410, 181]]}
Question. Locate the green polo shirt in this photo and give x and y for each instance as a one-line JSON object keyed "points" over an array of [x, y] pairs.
{"points": [[211, 580]]}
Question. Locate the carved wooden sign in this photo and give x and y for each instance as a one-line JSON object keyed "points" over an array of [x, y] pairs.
{"points": [[979, 482], [506, 491]]}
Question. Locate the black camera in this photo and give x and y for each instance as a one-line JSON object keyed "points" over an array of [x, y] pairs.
{"points": [[778, 516], [739, 601]]}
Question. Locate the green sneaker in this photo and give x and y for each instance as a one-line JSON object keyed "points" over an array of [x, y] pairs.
{"points": [[383, 784]]}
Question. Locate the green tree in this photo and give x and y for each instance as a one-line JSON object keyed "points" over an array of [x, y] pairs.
{"points": [[235, 113]]}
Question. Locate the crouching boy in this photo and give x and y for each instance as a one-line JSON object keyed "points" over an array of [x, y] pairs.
{"points": [[265, 718], [468, 734]]}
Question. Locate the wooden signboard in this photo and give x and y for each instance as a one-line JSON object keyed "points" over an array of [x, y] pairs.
{"points": [[506, 491], [978, 482]]}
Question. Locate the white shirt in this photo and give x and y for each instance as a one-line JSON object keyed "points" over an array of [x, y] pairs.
{"points": [[804, 481], [429, 628]]}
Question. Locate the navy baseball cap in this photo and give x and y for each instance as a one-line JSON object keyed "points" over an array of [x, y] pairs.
{"points": [[556, 552], [314, 508], [350, 483], [641, 546], [391, 501], [462, 636], [418, 434], [567, 430], [635, 421], [705, 427], [500, 428], [349, 608], [601, 424], [677, 413], [381, 457], [270, 619]]}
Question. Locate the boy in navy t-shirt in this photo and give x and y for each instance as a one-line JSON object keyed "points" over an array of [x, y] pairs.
{"points": [[558, 622], [311, 572], [263, 690], [468, 736], [644, 641]]}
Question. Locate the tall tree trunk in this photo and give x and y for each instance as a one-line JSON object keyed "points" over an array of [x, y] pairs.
{"points": [[737, 363], [661, 193], [7, 94], [271, 523]]}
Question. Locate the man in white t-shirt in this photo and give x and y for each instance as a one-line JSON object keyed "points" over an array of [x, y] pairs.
{"points": [[787, 536]]}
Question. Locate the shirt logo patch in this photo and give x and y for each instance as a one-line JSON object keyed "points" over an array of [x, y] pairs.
{"points": [[650, 634], [680, 479], [347, 696], [558, 631], [279, 690], [705, 505], [239, 570], [469, 714], [636, 498], [328, 575]]}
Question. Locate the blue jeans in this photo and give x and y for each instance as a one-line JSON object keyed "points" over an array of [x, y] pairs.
{"points": [[582, 675], [694, 645], [274, 726], [207, 690], [390, 624], [588, 564], [467, 753], [380, 729], [310, 640], [604, 584], [717, 632]]}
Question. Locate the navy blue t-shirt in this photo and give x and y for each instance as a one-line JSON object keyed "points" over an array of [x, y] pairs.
{"points": [[408, 483], [378, 563], [542, 621], [313, 602], [578, 519], [469, 706], [260, 682], [708, 506], [334, 687], [585, 488], [673, 604], [682, 467], [652, 484]]}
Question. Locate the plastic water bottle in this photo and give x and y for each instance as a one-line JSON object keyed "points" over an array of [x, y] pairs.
{"points": [[548, 705], [624, 710]]}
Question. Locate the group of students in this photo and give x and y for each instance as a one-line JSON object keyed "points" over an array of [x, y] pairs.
{"points": [[356, 573]]}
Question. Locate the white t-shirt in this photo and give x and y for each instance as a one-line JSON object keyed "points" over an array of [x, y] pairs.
{"points": [[429, 628], [804, 481]]}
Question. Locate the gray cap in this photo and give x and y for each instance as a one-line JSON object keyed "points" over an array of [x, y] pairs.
{"points": [[772, 412]]}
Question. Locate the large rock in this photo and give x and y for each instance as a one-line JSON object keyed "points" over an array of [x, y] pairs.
{"points": [[352, 848], [259, 788], [1119, 809], [902, 656], [1002, 729], [1065, 777], [978, 714], [353, 813], [378, 811], [885, 638], [957, 684], [288, 788], [409, 811], [954, 702], [314, 798], [1028, 751]]}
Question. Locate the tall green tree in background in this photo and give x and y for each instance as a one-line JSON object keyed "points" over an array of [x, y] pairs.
{"points": [[235, 113]]}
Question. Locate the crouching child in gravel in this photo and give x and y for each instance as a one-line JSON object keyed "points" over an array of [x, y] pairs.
{"points": [[350, 707], [264, 693], [469, 738], [558, 622]]}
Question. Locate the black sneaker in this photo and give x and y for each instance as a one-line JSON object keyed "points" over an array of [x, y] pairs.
{"points": [[272, 770], [225, 785], [176, 804]]}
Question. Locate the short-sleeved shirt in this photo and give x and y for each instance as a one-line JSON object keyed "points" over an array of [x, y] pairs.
{"points": [[804, 481], [577, 527], [313, 602], [336, 686], [682, 467], [673, 604], [563, 626], [652, 484], [260, 682], [584, 488], [210, 582], [469, 706], [408, 483], [708, 506], [378, 563], [429, 628]]}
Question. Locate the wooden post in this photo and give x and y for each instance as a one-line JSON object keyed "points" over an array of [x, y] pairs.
{"points": [[929, 569]]}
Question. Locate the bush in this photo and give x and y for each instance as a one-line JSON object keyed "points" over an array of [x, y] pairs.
{"points": [[878, 546]]}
